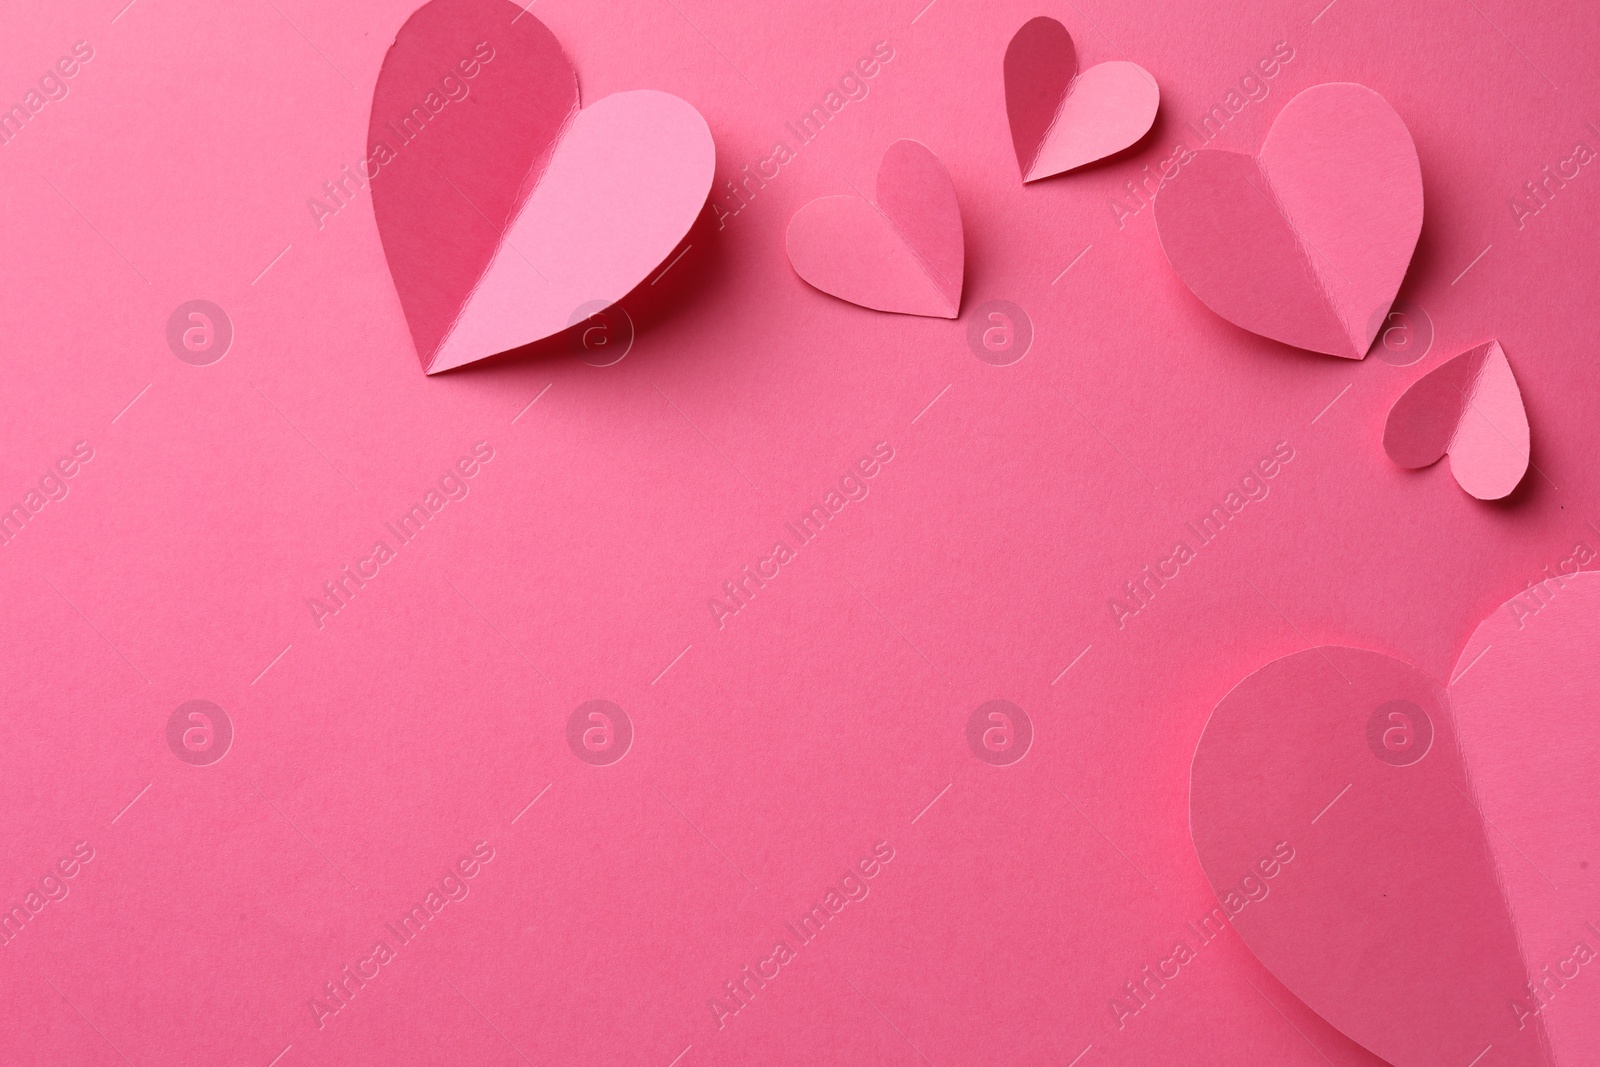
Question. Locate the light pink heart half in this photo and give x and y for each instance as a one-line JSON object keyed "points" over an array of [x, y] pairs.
{"points": [[1469, 408], [1307, 242], [626, 181], [905, 254], [1429, 831], [1061, 118]]}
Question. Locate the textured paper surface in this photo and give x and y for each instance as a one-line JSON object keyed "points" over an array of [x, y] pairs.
{"points": [[1004, 496]]}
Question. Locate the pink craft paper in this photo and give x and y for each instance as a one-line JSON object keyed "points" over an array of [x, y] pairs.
{"points": [[1468, 408], [1306, 242], [1062, 118], [903, 254], [513, 209], [1525, 700], [1389, 921]]}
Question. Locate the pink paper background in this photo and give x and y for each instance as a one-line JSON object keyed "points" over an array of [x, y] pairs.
{"points": [[769, 755]]}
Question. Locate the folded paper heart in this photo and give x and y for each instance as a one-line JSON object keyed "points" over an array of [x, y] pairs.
{"points": [[1062, 118], [503, 208], [903, 254], [1429, 829], [1468, 408], [1307, 242]]}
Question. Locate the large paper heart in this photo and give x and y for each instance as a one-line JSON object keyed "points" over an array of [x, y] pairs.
{"points": [[502, 207], [1469, 408], [1061, 118], [1307, 242], [903, 254], [1391, 850]]}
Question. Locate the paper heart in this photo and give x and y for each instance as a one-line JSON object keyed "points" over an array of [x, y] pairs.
{"points": [[502, 207], [904, 254], [1307, 242], [1390, 849], [1469, 408], [1062, 118]]}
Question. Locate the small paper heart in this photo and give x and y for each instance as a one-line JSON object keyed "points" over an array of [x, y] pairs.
{"points": [[1062, 118], [903, 254], [1469, 408]]}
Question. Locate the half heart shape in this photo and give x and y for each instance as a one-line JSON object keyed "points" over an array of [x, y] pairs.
{"points": [[1391, 849], [503, 208], [1469, 408], [903, 254], [1307, 242], [1062, 118]]}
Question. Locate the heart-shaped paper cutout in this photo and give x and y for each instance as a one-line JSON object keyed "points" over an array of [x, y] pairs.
{"points": [[502, 207], [1469, 408], [1391, 850], [1307, 242], [1062, 119], [903, 254]]}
